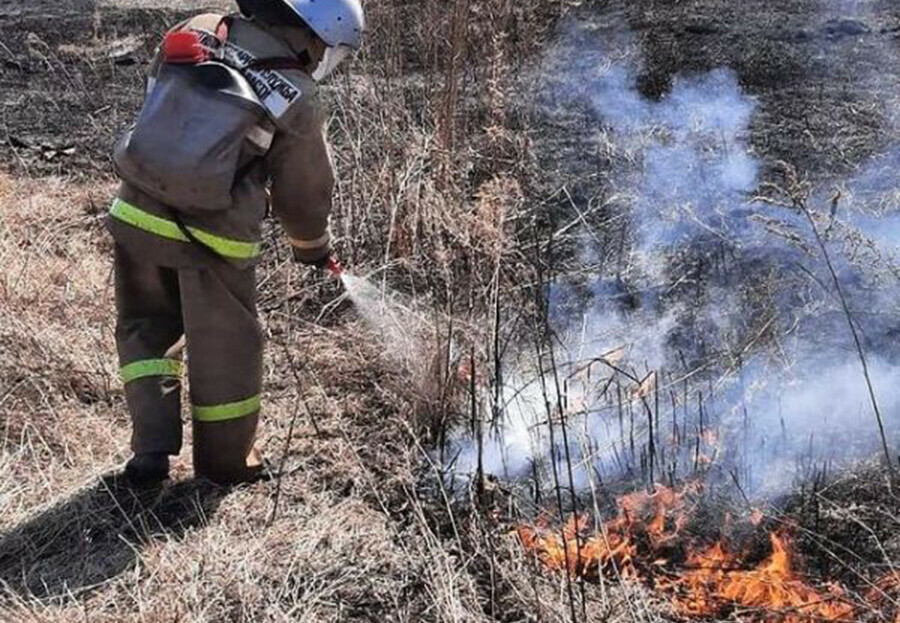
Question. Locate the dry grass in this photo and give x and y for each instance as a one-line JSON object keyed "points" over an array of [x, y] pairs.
{"points": [[336, 549]]}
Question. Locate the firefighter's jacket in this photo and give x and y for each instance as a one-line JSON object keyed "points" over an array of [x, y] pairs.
{"points": [[297, 167]]}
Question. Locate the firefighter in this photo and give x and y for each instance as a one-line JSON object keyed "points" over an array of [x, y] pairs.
{"points": [[187, 217]]}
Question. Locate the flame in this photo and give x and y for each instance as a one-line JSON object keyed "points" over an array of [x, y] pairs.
{"points": [[641, 542], [716, 586], [656, 519], [583, 557]]}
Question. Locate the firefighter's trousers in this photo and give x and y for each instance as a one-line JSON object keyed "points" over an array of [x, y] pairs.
{"points": [[215, 310]]}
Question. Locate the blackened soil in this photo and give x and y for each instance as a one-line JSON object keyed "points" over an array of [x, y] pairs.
{"points": [[821, 70], [824, 75], [845, 527], [72, 74], [71, 81]]}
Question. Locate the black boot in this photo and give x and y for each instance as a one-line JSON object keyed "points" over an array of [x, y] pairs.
{"points": [[147, 470]]}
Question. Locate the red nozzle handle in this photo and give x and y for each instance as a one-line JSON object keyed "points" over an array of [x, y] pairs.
{"points": [[334, 267], [184, 48]]}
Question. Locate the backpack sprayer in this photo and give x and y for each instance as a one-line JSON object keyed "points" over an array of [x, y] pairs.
{"points": [[187, 48]]}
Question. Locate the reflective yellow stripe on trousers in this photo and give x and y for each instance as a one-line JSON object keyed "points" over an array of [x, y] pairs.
{"points": [[229, 411], [150, 367], [164, 228]]}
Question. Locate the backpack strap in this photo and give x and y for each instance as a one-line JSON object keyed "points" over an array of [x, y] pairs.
{"points": [[281, 62], [219, 26], [213, 23]]}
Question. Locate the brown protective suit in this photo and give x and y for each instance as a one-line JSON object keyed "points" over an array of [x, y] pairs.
{"points": [[168, 285]]}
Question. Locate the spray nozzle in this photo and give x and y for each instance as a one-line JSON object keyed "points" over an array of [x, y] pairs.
{"points": [[333, 266]]}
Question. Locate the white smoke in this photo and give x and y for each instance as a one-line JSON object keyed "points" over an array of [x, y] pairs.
{"points": [[782, 424], [685, 175]]}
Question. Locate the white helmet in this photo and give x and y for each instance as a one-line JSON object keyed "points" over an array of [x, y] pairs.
{"points": [[339, 23]]}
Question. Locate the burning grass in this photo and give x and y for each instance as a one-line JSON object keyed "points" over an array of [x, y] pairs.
{"points": [[655, 540]]}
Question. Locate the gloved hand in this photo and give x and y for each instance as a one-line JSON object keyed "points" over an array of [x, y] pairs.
{"points": [[327, 262]]}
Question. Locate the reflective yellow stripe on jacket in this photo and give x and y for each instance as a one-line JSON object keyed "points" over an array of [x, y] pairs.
{"points": [[164, 228]]}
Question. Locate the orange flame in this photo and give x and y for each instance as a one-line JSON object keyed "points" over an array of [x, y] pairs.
{"points": [[716, 585], [640, 542], [656, 518]]}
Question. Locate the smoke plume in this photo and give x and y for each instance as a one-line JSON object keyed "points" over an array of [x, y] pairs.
{"points": [[723, 334]]}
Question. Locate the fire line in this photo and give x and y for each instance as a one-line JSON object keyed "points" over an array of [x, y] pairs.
{"points": [[641, 542]]}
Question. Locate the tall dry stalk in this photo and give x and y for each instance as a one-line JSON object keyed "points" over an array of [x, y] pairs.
{"points": [[797, 192]]}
